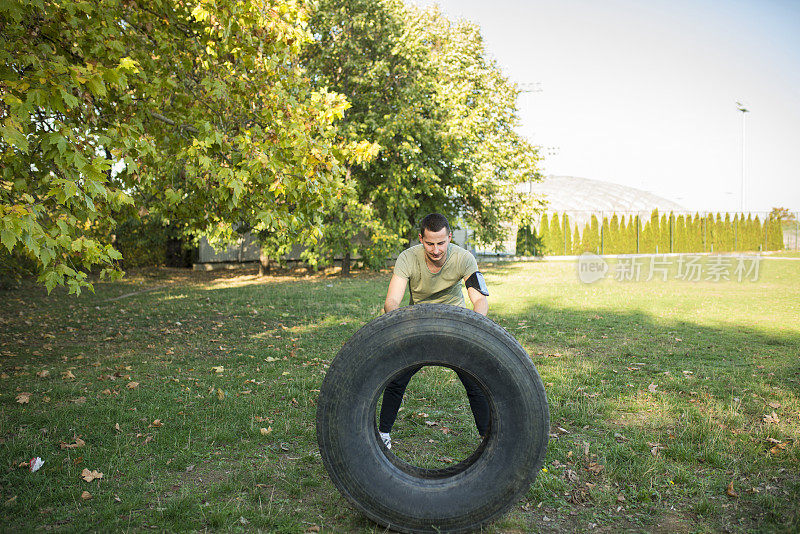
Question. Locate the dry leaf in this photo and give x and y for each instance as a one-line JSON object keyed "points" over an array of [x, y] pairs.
{"points": [[730, 491], [775, 405], [106, 391], [652, 388], [86, 495], [778, 448], [24, 398], [157, 423], [78, 443], [313, 528], [147, 440], [88, 476], [594, 467], [772, 418], [218, 369], [132, 385], [43, 374], [220, 394], [266, 431], [117, 428], [620, 498], [67, 375]]}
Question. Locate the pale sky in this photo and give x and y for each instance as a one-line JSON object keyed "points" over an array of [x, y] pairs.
{"points": [[643, 93]]}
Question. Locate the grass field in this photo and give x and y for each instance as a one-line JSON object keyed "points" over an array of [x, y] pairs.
{"points": [[675, 405]]}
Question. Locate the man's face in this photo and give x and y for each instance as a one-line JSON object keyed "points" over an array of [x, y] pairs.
{"points": [[435, 244]]}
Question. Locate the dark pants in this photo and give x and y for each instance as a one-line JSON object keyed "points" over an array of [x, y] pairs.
{"points": [[393, 396]]}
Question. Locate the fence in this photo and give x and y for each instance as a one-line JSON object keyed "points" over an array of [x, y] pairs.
{"points": [[621, 232]]}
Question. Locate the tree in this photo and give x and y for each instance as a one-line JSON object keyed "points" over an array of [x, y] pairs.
{"points": [[199, 111], [441, 115]]}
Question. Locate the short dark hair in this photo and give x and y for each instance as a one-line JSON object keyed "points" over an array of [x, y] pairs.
{"points": [[433, 222]]}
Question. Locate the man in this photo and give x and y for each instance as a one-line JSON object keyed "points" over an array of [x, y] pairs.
{"points": [[432, 271]]}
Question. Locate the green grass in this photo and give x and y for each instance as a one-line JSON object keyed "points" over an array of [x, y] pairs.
{"points": [[658, 393]]}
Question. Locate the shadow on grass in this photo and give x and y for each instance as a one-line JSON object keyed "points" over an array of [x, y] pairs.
{"points": [[652, 420]]}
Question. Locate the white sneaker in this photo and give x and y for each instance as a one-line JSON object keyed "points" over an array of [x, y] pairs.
{"points": [[386, 438]]}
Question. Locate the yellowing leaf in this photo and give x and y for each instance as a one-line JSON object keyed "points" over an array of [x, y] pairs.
{"points": [[730, 491], [220, 394], [24, 398], [266, 431], [771, 418], [78, 443], [89, 476]]}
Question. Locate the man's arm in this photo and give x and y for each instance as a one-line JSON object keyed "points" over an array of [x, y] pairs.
{"points": [[397, 288], [479, 302]]}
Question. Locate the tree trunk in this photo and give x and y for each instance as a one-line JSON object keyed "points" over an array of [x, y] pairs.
{"points": [[346, 265], [263, 264]]}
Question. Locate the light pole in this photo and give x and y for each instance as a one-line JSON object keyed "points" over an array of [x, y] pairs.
{"points": [[744, 111]]}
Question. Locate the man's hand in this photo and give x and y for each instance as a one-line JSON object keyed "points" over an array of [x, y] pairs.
{"points": [[397, 288], [479, 302]]}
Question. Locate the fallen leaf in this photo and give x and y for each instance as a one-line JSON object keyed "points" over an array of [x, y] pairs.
{"points": [[446, 459], [86, 495], [79, 400], [619, 437], [106, 391], [270, 359], [132, 385], [43, 374], [431, 423], [218, 369], [775, 405], [11, 501], [313, 528], [594, 467], [220, 394], [620, 498], [88, 476], [78, 443], [157, 423], [147, 440], [779, 446], [67, 375], [772, 418], [266, 431], [730, 491], [652, 388], [117, 499], [24, 398], [117, 428]]}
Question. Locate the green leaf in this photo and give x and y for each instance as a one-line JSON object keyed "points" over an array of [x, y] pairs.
{"points": [[8, 238]]}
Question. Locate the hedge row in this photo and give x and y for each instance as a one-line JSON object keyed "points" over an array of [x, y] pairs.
{"points": [[554, 235]]}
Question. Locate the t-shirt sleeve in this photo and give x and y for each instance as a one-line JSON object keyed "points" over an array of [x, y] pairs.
{"points": [[402, 267], [470, 264]]}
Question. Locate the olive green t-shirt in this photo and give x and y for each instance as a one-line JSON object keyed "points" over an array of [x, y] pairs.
{"points": [[443, 287]]}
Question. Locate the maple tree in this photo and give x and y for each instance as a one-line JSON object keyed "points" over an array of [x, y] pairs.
{"points": [[198, 111]]}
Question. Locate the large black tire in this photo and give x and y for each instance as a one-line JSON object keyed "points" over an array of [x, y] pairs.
{"points": [[410, 499]]}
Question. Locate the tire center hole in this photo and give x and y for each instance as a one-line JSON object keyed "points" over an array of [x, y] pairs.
{"points": [[435, 427]]}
